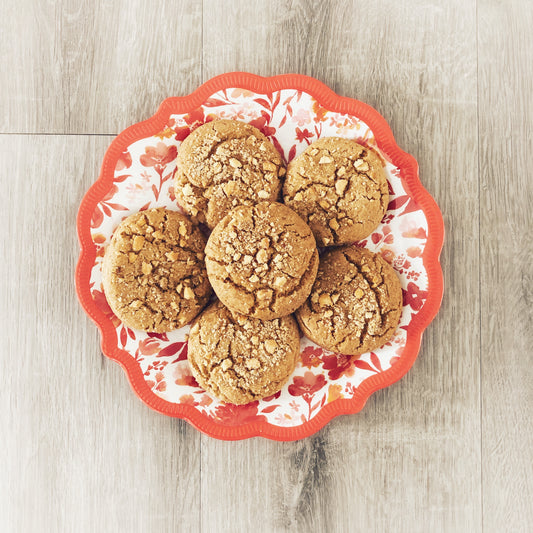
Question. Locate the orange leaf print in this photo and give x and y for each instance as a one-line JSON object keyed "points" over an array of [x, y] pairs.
{"points": [[416, 233], [334, 392], [241, 92], [205, 401], [165, 134], [319, 111], [188, 399], [97, 217]]}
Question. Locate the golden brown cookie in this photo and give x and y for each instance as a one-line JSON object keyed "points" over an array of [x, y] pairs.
{"points": [[223, 164], [262, 260], [356, 302], [153, 273], [339, 188], [240, 359]]}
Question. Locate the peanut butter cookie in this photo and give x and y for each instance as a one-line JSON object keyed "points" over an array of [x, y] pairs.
{"points": [[356, 302], [262, 260], [223, 164], [240, 359], [153, 272], [339, 188]]}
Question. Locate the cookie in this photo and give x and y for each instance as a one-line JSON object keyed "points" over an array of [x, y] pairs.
{"points": [[153, 272], [356, 302], [262, 260], [223, 164], [240, 359], [339, 188]]}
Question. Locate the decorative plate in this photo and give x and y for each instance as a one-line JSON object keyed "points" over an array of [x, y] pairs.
{"points": [[293, 111]]}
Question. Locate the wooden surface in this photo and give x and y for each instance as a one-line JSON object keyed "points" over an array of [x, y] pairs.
{"points": [[449, 448]]}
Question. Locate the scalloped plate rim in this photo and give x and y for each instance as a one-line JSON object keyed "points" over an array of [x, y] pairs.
{"points": [[414, 188]]}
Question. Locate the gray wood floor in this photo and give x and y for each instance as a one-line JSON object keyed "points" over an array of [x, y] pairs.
{"points": [[448, 448]]}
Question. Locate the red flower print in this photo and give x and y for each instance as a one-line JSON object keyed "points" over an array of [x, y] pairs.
{"points": [[338, 365], [159, 155], [261, 123], [414, 251], [308, 384], [184, 377], [148, 346], [160, 384], [237, 415], [414, 297], [306, 387], [303, 135], [124, 161], [311, 356]]}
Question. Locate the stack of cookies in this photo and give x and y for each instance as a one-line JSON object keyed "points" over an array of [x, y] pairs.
{"points": [[261, 258]]}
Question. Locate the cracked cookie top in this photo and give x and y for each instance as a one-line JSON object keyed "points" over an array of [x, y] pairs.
{"points": [[226, 163], [154, 274], [339, 188], [240, 359], [262, 260], [355, 304]]}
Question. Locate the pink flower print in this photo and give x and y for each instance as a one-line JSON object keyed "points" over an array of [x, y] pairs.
{"points": [[158, 156], [302, 117]]}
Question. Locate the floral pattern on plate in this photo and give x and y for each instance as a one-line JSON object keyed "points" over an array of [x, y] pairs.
{"points": [[292, 119], [293, 110]]}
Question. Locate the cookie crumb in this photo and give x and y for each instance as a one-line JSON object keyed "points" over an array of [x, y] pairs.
{"points": [[138, 243], [271, 345]]}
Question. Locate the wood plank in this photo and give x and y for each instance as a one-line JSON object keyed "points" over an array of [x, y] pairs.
{"points": [[411, 460], [82, 453], [95, 67], [505, 119]]}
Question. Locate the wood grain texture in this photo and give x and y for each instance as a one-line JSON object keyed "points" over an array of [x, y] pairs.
{"points": [[95, 67], [82, 453], [506, 145], [446, 449]]}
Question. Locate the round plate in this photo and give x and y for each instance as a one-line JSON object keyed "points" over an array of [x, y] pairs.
{"points": [[293, 111]]}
